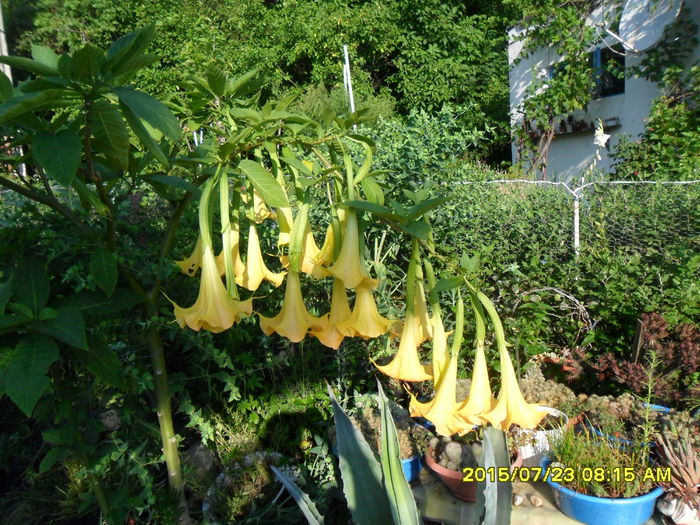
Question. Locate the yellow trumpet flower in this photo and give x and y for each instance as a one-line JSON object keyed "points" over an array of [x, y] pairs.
{"points": [[441, 411], [406, 365], [284, 221], [365, 321], [260, 209], [424, 329], [327, 331], [480, 400], [441, 355], [214, 309], [294, 320], [325, 255], [191, 264], [255, 269], [348, 267], [511, 407], [238, 265]]}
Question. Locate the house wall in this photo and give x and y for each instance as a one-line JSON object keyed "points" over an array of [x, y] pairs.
{"points": [[571, 154]]}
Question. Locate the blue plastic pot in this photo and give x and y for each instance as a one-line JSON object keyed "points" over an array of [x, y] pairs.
{"points": [[603, 511], [411, 467]]}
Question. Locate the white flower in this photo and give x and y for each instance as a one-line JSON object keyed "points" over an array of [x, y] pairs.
{"points": [[600, 138]]}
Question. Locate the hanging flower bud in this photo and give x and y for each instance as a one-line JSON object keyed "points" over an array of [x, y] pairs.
{"points": [[348, 267], [284, 221], [327, 331], [260, 209], [405, 364], [365, 321], [255, 269], [441, 355], [191, 264], [238, 264], [294, 320], [214, 309]]}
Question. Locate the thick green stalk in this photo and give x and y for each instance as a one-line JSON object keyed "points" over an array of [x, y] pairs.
{"points": [[164, 409]]}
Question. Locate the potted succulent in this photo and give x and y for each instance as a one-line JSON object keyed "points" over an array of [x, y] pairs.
{"points": [[448, 457], [598, 481], [675, 450]]}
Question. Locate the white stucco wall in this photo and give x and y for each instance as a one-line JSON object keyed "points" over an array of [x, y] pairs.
{"points": [[570, 154]]}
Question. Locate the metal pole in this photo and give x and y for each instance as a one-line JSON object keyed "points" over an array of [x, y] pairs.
{"points": [[577, 239], [3, 46], [349, 79]]}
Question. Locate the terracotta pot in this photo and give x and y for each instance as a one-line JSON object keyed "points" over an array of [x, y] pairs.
{"points": [[465, 491]]}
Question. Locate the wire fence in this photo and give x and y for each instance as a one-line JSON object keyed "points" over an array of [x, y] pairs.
{"points": [[563, 220]]}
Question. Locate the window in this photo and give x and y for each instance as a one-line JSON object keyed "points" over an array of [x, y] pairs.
{"points": [[609, 70], [608, 64]]}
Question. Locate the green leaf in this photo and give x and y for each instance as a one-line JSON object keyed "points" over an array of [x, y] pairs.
{"points": [[403, 506], [373, 191], [142, 133], [424, 207], [418, 229], [58, 154], [151, 110], [270, 190], [88, 198], [111, 134], [29, 65], [45, 56], [6, 88], [53, 456], [103, 266], [216, 80], [68, 326], [21, 104], [302, 499], [97, 304], [371, 207], [87, 62], [25, 380], [9, 323], [103, 362], [158, 181], [30, 283], [447, 284], [361, 472], [125, 48]]}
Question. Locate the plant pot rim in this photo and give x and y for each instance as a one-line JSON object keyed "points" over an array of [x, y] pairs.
{"points": [[653, 494]]}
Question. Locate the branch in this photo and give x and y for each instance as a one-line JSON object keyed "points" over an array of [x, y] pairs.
{"points": [[49, 201]]}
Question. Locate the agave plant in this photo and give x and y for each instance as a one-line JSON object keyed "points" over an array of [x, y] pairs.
{"points": [[377, 491]]}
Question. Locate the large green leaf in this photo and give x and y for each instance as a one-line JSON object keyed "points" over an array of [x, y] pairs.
{"points": [[21, 104], [403, 506], [151, 110], [6, 88], [424, 207], [68, 326], [103, 267], [58, 154], [302, 499], [10, 323], [25, 378], [216, 80], [163, 183], [103, 362], [125, 48], [87, 62], [88, 198], [30, 283], [111, 134], [373, 192], [98, 304], [144, 136], [361, 472], [29, 65], [270, 190], [45, 56], [374, 208]]}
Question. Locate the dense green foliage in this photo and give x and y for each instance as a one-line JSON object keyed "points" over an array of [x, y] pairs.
{"points": [[412, 55]]}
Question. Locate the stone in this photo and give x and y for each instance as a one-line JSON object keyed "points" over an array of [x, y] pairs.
{"points": [[453, 451]]}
